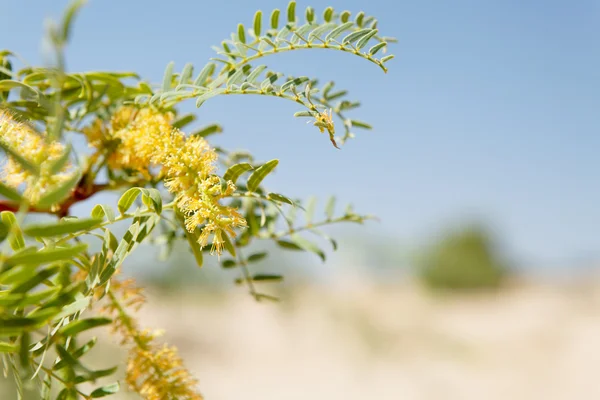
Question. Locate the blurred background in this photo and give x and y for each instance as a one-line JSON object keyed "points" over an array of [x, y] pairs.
{"points": [[480, 279]]}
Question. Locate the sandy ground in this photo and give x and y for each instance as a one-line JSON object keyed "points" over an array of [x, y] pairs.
{"points": [[358, 341], [369, 341]]}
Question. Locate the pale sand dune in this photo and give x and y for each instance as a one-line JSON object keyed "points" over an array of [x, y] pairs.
{"points": [[528, 342]]}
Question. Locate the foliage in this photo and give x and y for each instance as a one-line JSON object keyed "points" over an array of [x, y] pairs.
{"points": [[53, 286], [463, 259]]}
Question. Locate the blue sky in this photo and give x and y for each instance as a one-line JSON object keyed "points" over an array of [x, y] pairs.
{"points": [[490, 109]]}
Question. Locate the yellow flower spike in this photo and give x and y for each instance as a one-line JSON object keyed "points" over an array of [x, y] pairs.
{"points": [[188, 166]]}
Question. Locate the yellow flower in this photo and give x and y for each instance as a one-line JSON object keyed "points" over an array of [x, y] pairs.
{"points": [[189, 175], [325, 121], [146, 138], [34, 147], [136, 139]]}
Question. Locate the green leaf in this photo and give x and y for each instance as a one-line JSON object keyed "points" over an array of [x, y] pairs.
{"points": [[228, 245], [327, 14], [26, 90], [68, 19], [280, 197], [208, 130], [183, 121], [67, 394], [257, 257], [208, 94], [269, 41], [275, 19], [360, 124], [76, 306], [354, 36], [69, 359], [288, 245], [235, 77], [387, 58], [103, 210], [267, 278], [8, 347], [255, 73], [359, 19], [304, 114], [24, 352], [61, 227], [235, 171], [4, 230], [293, 82], [186, 74], [60, 192], [13, 326], [28, 299], [150, 197], [345, 16], [192, 238], [128, 198], [105, 390], [291, 12], [330, 207], [81, 325], [95, 375], [319, 30], [257, 23], [16, 240], [9, 193], [260, 173], [310, 15], [333, 96], [47, 255], [307, 245], [78, 353], [35, 280], [241, 33], [373, 50], [229, 263], [338, 31], [365, 39], [204, 74], [168, 77]]}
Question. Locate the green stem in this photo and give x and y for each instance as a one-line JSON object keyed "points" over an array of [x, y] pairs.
{"points": [[310, 46]]}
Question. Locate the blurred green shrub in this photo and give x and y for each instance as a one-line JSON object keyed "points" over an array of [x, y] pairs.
{"points": [[462, 259]]}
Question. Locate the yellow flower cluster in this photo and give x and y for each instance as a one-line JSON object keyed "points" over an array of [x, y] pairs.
{"points": [[136, 138], [153, 371], [146, 138], [22, 139], [189, 174], [156, 372]]}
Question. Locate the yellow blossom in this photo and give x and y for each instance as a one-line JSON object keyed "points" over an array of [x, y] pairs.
{"points": [[35, 148], [189, 175], [325, 121], [146, 138]]}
